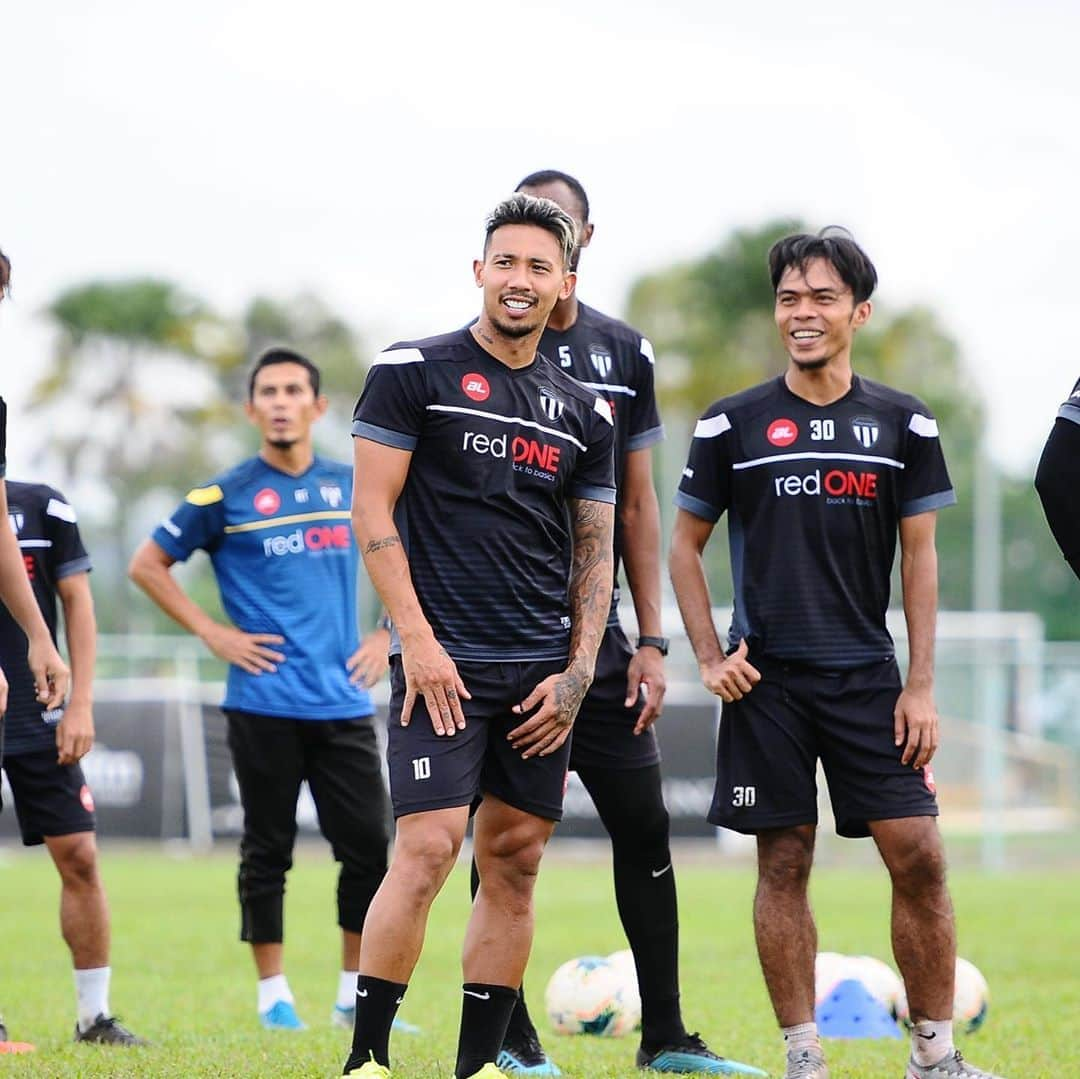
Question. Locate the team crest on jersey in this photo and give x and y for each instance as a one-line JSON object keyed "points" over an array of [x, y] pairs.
{"points": [[600, 358], [550, 405], [17, 521], [267, 501], [331, 494], [865, 430]]}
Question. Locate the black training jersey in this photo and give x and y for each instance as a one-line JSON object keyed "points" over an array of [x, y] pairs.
{"points": [[814, 496], [497, 454], [1070, 409], [48, 534], [616, 362], [1057, 479], [3, 438]]}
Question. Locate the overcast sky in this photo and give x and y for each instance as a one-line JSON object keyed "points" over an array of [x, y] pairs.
{"points": [[354, 149]]}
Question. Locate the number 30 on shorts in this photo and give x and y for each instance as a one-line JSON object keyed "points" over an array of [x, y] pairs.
{"points": [[743, 797]]}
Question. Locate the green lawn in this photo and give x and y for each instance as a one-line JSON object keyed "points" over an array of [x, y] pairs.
{"points": [[181, 978]]}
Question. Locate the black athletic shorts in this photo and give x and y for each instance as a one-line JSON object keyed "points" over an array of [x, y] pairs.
{"points": [[50, 798], [604, 729], [430, 771], [770, 742]]}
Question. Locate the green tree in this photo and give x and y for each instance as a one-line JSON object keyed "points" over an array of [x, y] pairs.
{"points": [[128, 400]]}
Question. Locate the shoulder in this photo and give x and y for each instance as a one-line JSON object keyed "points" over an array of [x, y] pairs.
{"points": [[620, 334], [221, 486], [329, 466], [41, 496], [443, 348], [904, 405], [744, 403]]}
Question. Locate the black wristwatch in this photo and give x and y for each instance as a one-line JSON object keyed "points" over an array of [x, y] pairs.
{"points": [[661, 644]]}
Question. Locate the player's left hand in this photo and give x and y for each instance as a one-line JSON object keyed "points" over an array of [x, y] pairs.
{"points": [[559, 697], [51, 676], [370, 661], [74, 734], [915, 726], [646, 669]]}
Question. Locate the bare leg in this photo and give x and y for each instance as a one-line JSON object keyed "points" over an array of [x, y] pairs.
{"points": [[350, 950], [424, 852], [784, 924], [269, 959], [84, 908], [509, 844], [923, 926]]}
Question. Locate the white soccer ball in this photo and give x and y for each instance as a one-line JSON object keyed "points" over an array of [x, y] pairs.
{"points": [[830, 969], [880, 980], [971, 998], [590, 995]]}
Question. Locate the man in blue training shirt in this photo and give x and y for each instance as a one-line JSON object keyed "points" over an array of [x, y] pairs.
{"points": [[276, 528]]}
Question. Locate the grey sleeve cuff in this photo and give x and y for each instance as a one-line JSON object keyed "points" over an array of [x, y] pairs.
{"points": [[643, 439], [383, 435], [698, 507], [77, 565], [593, 494], [929, 502], [1069, 412]]}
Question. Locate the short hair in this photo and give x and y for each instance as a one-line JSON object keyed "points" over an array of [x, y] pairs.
{"points": [[5, 275], [522, 209], [282, 354], [836, 246], [553, 176]]}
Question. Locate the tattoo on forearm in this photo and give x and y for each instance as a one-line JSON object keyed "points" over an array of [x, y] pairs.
{"points": [[591, 573], [381, 544]]}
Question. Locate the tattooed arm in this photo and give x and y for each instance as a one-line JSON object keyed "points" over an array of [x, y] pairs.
{"points": [[378, 478], [592, 573]]}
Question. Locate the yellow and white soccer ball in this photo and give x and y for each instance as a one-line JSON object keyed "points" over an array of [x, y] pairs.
{"points": [[971, 998], [592, 995]]}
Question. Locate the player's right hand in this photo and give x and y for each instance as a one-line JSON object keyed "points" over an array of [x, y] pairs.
{"points": [[51, 675], [431, 673], [248, 651], [733, 678]]}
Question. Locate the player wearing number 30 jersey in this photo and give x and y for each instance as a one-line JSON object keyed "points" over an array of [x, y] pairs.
{"points": [[818, 472]]}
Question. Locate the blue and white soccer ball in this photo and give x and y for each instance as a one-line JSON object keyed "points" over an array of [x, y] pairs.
{"points": [[591, 995]]}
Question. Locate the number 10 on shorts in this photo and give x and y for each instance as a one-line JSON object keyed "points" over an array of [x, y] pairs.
{"points": [[421, 768], [741, 797]]}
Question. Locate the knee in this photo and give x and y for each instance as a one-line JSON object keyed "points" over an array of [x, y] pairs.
{"points": [[917, 867], [423, 859], [785, 860], [511, 860], [77, 864]]}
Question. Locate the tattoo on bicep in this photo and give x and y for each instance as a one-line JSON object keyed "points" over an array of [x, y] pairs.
{"points": [[381, 544]]}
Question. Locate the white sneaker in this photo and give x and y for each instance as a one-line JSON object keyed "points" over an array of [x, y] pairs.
{"points": [[948, 1067], [806, 1064]]}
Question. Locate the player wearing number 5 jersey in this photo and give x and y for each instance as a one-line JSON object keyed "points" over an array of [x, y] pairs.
{"points": [[482, 469], [818, 471]]}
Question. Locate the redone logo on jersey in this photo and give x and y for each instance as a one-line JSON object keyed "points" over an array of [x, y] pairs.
{"points": [[534, 458], [838, 485], [315, 538]]}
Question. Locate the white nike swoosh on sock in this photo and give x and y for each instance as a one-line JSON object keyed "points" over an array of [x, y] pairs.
{"points": [[361, 992], [479, 996], [661, 872]]}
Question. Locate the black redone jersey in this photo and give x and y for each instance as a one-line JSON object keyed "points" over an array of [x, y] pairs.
{"points": [[616, 362], [497, 454], [814, 496], [48, 534]]}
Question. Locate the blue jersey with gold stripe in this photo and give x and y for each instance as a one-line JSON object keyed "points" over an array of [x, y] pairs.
{"points": [[285, 559]]}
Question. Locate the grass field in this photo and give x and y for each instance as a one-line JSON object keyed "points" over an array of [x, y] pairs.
{"points": [[181, 978]]}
